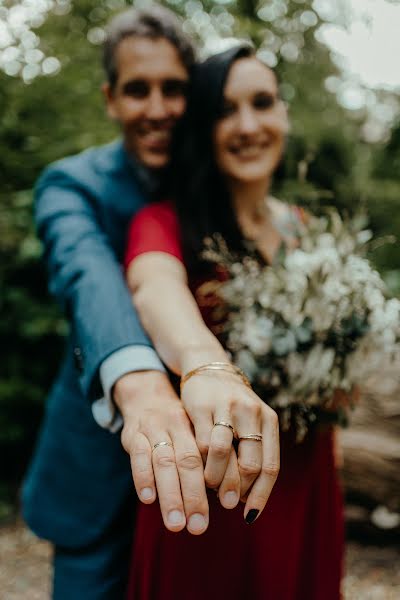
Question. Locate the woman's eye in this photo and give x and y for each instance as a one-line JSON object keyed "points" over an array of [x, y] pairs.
{"points": [[228, 108], [136, 89], [263, 101]]}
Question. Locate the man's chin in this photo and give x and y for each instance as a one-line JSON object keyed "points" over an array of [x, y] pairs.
{"points": [[153, 160]]}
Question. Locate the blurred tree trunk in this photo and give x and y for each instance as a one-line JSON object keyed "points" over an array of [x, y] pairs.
{"points": [[371, 448]]}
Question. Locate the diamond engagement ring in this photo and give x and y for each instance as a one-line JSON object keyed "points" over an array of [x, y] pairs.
{"points": [[161, 444]]}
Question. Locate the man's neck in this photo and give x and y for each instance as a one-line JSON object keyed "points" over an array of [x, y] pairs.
{"points": [[149, 179]]}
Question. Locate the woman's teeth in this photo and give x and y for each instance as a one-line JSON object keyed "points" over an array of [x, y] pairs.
{"points": [[248, 151]]}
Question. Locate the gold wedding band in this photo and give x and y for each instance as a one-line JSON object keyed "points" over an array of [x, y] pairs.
{"points": [[256, 437], [225, 424], [161, 444]]}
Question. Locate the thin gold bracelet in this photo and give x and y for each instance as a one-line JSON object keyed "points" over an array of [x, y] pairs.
{"points": [[216, 366]]}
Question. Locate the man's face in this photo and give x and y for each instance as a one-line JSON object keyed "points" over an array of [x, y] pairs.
{"points": [[149, 96]]}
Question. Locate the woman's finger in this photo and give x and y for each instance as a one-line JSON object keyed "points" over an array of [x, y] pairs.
{"points": [[229, 491], [191, 476], [250, 452], [262, 487], [219, 450], [142, 469], [203, 425], [167, 480]]}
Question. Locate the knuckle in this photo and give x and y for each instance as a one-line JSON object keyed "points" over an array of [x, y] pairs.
{"points": [[127, 438], [189, 461], [272, 470], [164, 461], [231, 483], [140, 461], [258, 499], [220, 449], [272, 417], [203, 447], [249, 468], [179, 416], [212, 481], [256, 409], [195, 499]]}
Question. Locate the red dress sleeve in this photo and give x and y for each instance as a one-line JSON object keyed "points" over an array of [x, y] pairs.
{"points": [[154, 228]]}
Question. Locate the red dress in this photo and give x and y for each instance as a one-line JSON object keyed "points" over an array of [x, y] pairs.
{"points": [[294, 549]]}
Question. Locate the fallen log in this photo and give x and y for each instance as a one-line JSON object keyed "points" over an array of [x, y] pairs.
{"points": [[371, 453]]}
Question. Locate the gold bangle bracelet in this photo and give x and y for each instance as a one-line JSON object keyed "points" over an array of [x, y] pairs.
{"points": [[216, 366]]}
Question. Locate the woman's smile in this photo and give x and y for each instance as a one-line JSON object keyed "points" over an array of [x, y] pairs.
{"points": [[249, 135], [249, 150]]}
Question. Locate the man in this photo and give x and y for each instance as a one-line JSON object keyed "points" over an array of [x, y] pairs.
{"points": [[78, 492]]}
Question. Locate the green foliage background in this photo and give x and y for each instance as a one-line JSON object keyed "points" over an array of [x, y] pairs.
{"points": [[51, 117]]}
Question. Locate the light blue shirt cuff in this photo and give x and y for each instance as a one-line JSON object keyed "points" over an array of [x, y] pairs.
{"points": [[119, 363]]}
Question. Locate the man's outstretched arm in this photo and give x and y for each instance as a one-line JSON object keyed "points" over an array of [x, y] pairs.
{"points": [[85, 276]]}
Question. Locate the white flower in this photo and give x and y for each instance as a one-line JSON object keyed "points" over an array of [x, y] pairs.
{"points": [[326, 240], [246, 361], [317, 294], [309, 371], [257, 333]]}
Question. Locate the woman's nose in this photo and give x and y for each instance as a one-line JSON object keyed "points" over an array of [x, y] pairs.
{"points": [[247, 121]]}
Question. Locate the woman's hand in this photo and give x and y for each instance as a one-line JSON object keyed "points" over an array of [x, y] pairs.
{"points": [[217, 403], [170, 315], [153, 413]]}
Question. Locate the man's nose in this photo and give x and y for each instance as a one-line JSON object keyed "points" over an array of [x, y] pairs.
{"points": [[156, 107], [247, 121]]}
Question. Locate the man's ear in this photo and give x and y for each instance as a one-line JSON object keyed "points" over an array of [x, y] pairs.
{"points": [[110, 100]]}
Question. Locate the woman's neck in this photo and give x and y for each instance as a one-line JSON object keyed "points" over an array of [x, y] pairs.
{"points": [[249, 201]]}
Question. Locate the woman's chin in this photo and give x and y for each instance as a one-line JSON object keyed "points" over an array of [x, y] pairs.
{"points": [[251, 175], [252, 172]]}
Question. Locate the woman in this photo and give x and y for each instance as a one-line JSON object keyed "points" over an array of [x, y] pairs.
{"points": [[229, 147]]}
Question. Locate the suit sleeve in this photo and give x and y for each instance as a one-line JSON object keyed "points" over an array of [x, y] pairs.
{"points": [[85, 276]]}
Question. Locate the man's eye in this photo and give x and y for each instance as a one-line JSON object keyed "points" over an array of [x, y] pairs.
{"points": [[136, 89], [173, 89], [263, 101]]}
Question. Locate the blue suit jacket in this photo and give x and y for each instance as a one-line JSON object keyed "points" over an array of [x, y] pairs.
{"points": [[80, 476]]}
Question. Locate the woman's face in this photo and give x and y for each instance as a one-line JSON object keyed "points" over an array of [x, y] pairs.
{"points": [[249, 135]]}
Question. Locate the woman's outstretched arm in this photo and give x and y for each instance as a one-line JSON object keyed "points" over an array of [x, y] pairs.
{"points": [[171, 317]]}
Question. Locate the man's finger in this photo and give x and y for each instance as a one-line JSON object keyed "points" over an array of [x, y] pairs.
{"points": [[191, 475], [142, 469], [167, 481]]}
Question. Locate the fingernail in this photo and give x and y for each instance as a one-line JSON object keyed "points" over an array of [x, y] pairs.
{"points": [[146, 493], [231, 499], [175, 517], [251, 516], [197, 522]]}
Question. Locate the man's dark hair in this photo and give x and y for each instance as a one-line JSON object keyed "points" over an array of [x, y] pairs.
{"points": [[154, 22]]}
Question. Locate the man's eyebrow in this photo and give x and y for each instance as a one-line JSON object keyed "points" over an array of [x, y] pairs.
{"points": [[144, 79]]}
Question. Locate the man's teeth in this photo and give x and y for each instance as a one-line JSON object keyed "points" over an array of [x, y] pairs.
{"points": [[157, 136]]}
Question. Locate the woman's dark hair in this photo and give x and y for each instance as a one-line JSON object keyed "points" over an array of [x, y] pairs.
{"points": [[154, 22], [202, 200]]}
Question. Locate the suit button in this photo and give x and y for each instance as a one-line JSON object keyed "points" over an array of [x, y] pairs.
{"points": [[78, 359]]}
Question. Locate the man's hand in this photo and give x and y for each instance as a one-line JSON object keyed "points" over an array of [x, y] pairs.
{"points": [[153, 413]]}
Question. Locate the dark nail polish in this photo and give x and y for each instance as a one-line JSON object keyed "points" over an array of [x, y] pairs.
{"points": [[251, 516]]}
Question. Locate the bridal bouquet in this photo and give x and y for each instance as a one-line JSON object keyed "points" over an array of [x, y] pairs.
{"points": [[309, 329]]}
